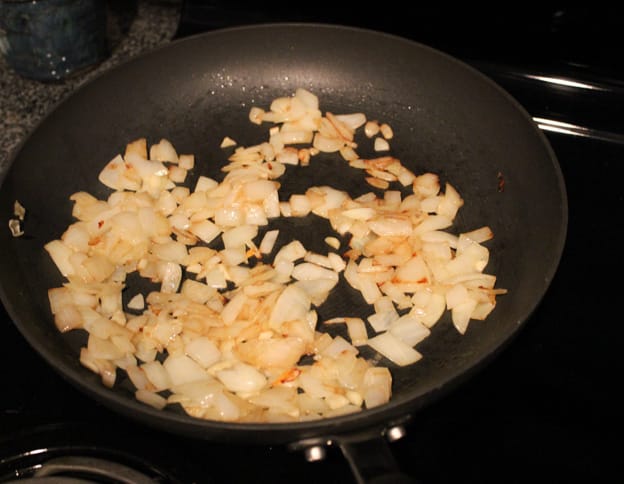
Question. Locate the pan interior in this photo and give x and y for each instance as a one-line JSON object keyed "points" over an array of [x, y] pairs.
{"points": [[447, 119]]}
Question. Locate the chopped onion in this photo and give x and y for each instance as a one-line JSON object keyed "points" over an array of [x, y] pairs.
{"points": [[409, 329], [268, 241], [394, 349], [371, 128], [242, 378], [352, 121], [182, 369], [381, 144], [227, 141], [377, 387], [225, 333], [150, 398], [163, 151], [386, 131], [137, 302]]}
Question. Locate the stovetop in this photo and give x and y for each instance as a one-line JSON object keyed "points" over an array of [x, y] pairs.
{"points": [[544, 411]]}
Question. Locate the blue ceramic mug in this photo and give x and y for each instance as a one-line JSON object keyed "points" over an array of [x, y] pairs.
{"points": [[49, 40]]}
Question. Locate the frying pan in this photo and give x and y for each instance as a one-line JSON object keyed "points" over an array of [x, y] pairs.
{"points": [[447, 118]]}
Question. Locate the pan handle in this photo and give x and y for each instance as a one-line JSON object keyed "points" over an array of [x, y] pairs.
{"points": [[368, 454], [372, 461]]}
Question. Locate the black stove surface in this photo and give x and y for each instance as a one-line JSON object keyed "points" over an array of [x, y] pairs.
{"points": [[544, 411]]}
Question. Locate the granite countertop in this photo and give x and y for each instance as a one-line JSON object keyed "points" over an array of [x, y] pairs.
{"points": [[24, 102]]}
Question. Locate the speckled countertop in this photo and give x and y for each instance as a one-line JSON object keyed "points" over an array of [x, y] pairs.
{"points": [[24, 102]]}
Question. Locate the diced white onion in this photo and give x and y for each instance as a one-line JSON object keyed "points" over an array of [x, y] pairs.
{"points": [[224, 334], [381, 144], [182, 369], [394, 349], [242, 378]]}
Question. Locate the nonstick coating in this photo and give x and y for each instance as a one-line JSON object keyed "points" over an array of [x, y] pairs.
{"points": [[447, 119]]}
